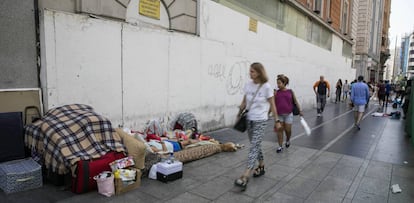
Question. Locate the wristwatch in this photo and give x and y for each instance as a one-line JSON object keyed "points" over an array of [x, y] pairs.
{"points": [[277, 121]]}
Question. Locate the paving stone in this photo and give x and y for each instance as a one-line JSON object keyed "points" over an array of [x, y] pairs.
{"points": [[235, 172], [326, 161], [231, 159], [334, 185], [234, 197], [351, 161], [363, 197], [324, 197], [278, 172], [292, 161], [300, 187], [170, 189], [333, 155], [402, 171], [283, 198], [258, 186], [379, 170], [344, 172], [205, 172], [374, 186], [315, 172], [407, 187], [214, 188], [188, 197]]}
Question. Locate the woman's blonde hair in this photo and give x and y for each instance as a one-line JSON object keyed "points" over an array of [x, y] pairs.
{"points": [[283, 78], [262, 76]]}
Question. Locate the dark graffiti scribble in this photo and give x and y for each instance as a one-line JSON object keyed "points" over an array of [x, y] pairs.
{"points": [[217, 71]]}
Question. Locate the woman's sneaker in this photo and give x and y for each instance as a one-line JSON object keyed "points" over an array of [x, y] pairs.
{"points": [[279, 149], [287, 144]]}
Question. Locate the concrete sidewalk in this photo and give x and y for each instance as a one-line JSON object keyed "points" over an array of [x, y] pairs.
{"points": [[299, 174]]}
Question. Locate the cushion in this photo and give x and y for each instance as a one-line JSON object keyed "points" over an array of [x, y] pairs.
{"points": [[195, 153], [135, 148]]}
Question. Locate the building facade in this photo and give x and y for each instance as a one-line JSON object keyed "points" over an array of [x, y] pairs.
{"points": [[384, 71], [159, 58], [407, 55], [369, 36]]}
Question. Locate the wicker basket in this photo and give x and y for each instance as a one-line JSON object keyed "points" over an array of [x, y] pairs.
{"points": [[20, 175]]}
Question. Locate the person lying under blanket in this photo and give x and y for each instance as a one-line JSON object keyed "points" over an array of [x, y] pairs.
{"points": [[165, 145]]}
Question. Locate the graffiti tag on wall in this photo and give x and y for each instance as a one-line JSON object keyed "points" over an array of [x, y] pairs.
{"points": [[234, 75]]}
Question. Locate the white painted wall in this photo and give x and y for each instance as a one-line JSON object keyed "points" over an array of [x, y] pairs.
{"points": [[162, 73]]}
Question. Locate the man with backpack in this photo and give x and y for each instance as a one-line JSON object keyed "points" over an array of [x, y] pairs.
{"points": [[321, 89]]}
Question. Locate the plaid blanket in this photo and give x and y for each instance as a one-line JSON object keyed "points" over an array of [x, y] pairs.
{"points": [[69, 133]]}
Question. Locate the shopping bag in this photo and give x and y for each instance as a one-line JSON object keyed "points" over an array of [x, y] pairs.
{"points": [[305, 126], [105, 181]]}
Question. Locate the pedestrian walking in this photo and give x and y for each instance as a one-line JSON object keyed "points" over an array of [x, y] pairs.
{"points": [[338, 91], [258, 96], [359, 97], [284, 100], [322, 90], [345, 89], [407, 96], [387, 92], [381, 93]]}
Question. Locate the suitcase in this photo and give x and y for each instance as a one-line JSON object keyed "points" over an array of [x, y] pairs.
{"points": [[87, 169], [11, 134], [167, 171]]}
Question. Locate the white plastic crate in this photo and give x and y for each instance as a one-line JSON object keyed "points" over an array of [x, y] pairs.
{"points": [[20, 175], [169, 168]]}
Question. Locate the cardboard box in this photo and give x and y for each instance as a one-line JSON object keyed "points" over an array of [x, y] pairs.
{"points": [[120, 188]]}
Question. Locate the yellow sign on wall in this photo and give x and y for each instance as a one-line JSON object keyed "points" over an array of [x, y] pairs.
{"points": [[150, 8], [253, 25]]}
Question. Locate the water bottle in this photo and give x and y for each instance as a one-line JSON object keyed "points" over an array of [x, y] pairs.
{"points": [[171, 158]]}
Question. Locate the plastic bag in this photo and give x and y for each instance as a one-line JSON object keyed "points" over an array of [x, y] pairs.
{"points": [[305, 126], [153, 172], [105, 182]]}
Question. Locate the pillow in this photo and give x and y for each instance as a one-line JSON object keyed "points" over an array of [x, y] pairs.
{"points": [[195, 153], [135, 148]]}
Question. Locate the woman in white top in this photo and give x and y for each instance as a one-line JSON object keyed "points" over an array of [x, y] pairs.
{"points": [[345, 90], [260, 91]]}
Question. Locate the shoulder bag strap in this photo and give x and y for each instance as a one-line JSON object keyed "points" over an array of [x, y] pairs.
{"points": [[254, 96]]}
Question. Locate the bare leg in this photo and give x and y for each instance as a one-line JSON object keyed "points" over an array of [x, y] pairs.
{"points": [[359, 117], [288, 131], [356, 117], [280, 136]]}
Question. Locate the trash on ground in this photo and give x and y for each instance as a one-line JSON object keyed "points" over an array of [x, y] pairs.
{"points": [[377, 114], [396, 188]]}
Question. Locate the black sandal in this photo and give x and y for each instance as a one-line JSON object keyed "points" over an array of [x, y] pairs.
{"points": [[259, 171], [242, 182]]}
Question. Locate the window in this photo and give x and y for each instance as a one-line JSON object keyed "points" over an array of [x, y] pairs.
{"points": [[317, 6], [328, 11], [345, 9], [346, 49]]}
